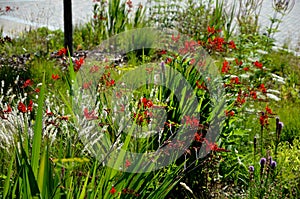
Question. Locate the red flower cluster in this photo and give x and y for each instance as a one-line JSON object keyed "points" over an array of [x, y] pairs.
{"points": [[62, 52], [146, 103], [106, 80], [142, 118], [27, 83], [191, 121], [225, 67], [210, 146], [78, 64], [89, 115], [258, 64], [229, 113], [22, 107]]}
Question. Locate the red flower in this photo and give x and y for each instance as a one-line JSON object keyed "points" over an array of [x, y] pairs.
{"points": [[7, 8], [227, 113], [110, 83], [169, 60], [22, 107], [214, 147], [253, 94], [211, 30], [268, 110], [163, 52], [263, 88], [8, 109], [225, 67], [263, 119], [246, 68], [30, 105], [258, 64], [127, 163], [175, 39], [87, 85], [55, 77], [37, 90], [239, 63], [66, 118], [62, 52], [199, 137], [201, 86], [240, 100], [191, 121], [27, 83], [78, 63], [235, 80], [89, 115], [48, 112], [112, 191], [94, 69], [146, 103], [232, 45]]}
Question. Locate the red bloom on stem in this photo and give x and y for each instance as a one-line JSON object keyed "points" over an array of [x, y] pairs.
{"points": [[201, 86], [22, 107], [87, 85], [27, 83], [94, 69], [262, 88], [229, 113], [191, 121], [239, 63], [246, 68], [253, 94], [231, 45], [110, 83], [225, 67], [240, 100], [78, 64], [55, 77], [127, 163], [62, 52], [30, 105], [37, 90], [235, 80], [268, 110], [258, 64], [7, 8], [263, 119], [211, 30], [112, 191], [214, 147], [89, 115], [175, 39], [146, 103], [8, 109]]}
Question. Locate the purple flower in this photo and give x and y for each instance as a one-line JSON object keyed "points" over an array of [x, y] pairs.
{"points": [[273, 164], [262, 162], [280, 124], [251, 168]]}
